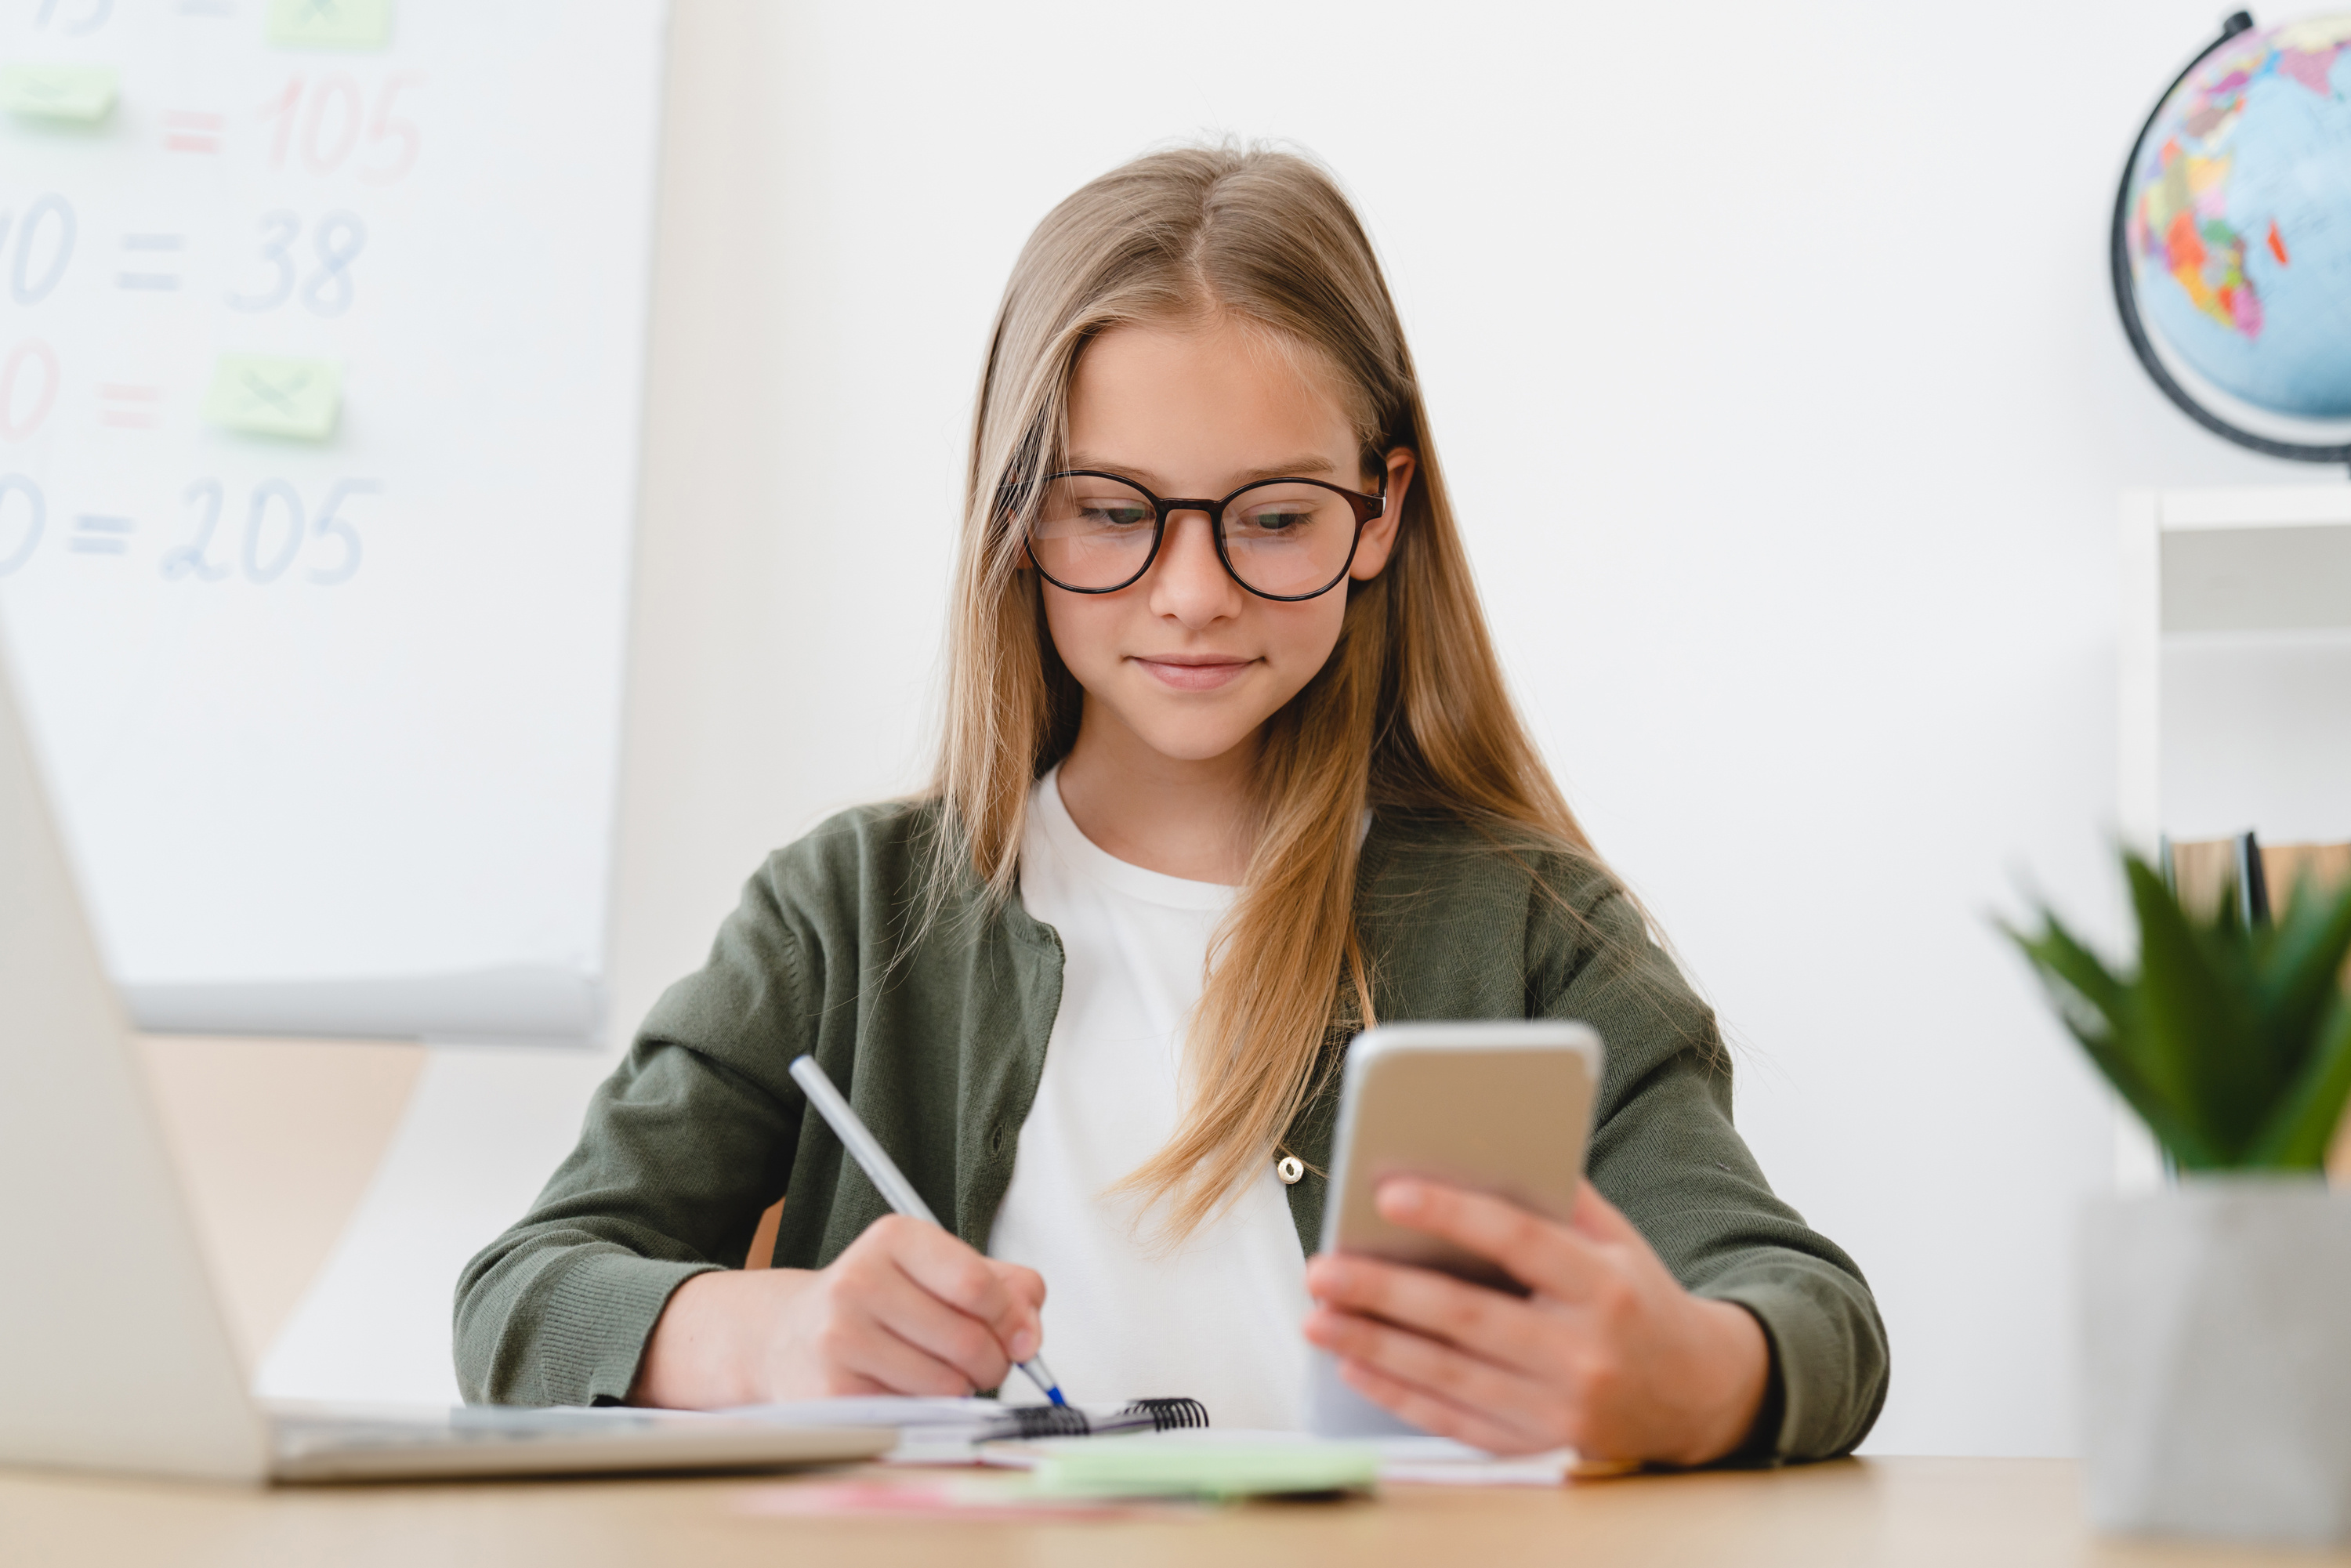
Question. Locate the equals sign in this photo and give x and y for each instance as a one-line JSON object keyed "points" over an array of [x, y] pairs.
{"points": [[145, 245], [96, 534], [185, 130], [127, 407]]}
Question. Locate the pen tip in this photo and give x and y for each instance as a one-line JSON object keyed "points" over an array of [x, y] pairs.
{"points": [[1047, 1384]]}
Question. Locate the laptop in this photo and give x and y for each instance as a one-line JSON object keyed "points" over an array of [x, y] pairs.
{"points": [[114, 1351]]}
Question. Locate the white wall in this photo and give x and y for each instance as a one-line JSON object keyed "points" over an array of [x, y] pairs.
{"points": [[1770, 352]]}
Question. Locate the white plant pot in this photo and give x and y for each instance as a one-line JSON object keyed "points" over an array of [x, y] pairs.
{"points": [[2217, 1362]]}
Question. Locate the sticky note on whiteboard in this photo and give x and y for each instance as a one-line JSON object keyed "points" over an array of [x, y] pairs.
{"points": [[260, 394], [82, 93], [332, 24]]}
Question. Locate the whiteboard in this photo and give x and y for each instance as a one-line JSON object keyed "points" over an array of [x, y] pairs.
{"points": [[320, 357]]}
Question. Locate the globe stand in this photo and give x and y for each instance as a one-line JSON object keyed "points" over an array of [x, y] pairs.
{"points": [[2125, 283]]}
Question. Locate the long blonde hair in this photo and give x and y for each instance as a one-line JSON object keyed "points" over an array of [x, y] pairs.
{"points": [[1409, 715]]}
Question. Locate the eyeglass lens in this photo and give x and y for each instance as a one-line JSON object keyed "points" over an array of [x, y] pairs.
{"points": [[1282, 537]]}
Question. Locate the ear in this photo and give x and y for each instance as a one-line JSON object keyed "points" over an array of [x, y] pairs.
{"points": [[1372, 549]]}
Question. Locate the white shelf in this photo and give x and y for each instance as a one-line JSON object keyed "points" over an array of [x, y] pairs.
{"points": [[2197, 563], [2193, 561]]}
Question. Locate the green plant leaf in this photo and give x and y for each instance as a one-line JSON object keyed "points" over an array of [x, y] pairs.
{"points": [[2232, 1043], [2085, 975], [2300, 967], [2188, 1142], [2299, 1130], [2194, 1031], [2096, 1009]]}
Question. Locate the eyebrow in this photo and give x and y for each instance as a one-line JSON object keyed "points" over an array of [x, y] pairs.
{"points": [[1304, 467]]}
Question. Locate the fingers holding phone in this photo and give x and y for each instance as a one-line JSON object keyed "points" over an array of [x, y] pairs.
{"points": [[1607, 1353], [1471, 1283]]}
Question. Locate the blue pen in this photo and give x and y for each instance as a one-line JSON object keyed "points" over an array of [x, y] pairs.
{"points": [[884, 1173]]}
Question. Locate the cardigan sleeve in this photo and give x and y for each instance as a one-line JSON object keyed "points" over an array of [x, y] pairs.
{"points": [[1664, 1152], [684, 1145]]}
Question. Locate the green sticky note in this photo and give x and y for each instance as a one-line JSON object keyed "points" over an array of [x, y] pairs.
{"points": [[263, 395], [1139, 1467], [332, 24], [83, 93]]}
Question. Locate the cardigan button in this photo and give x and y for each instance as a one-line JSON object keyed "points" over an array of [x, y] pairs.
{"points": [[1290, 1168]]}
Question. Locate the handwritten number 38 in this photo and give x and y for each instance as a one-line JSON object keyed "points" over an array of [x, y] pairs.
{"points": [[337, 242]]}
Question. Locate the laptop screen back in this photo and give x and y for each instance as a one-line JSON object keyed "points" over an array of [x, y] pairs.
{"points": [[113, 1354]]}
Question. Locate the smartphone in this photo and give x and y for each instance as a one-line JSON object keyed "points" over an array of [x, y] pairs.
{"points": [[1496, 1107]]}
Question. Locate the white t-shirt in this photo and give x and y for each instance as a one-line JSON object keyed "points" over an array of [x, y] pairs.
{"points": [[1217, 1318]]}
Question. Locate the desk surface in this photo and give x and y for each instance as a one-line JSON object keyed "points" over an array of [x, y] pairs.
{"points": [[2018, 1513]]}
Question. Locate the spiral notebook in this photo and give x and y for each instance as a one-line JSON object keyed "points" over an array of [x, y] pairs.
{"points": [[946, 1431]]}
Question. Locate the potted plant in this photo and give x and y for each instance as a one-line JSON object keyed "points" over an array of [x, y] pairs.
{"points": [[2217, 1360]]}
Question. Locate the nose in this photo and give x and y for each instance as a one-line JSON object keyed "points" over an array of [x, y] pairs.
{"points": [[1188, 581]]}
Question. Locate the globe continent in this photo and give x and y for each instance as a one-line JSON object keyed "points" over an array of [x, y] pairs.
{"points": [[2239, 219]]}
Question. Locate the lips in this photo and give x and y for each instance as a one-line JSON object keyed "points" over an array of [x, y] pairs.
{"points": [[1194, 672]]}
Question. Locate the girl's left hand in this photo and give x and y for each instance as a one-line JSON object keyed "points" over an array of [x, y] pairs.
{"points": [[1609, 1355]]}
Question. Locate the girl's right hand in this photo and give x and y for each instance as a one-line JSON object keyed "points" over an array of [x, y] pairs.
{"points": [[907, 1309]]}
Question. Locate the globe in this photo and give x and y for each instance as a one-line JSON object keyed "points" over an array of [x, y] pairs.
{"points": [[2233, 231]]}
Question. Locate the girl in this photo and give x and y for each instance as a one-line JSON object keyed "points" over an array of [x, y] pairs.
{"points": [[1228, 773]]}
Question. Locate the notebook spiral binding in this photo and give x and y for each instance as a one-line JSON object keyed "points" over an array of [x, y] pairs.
{"points": [[1167, 1415], [1068, 1421], [1047, 1420]]}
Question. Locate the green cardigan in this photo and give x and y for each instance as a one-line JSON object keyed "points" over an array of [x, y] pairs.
{"points": [[939, 1045]]}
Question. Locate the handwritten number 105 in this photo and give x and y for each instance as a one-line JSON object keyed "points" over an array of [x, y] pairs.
{"points": [[337, 242], [274, 534], [326, 122]]}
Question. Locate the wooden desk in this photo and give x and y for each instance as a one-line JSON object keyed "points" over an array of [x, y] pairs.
{"points": [[1980, 1513]]}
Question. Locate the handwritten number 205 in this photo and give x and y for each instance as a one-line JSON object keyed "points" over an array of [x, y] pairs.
{"points": [[274, 533], [337, 242]]}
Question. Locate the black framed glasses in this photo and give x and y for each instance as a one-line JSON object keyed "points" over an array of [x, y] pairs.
{"points": [[1279, 538]]}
